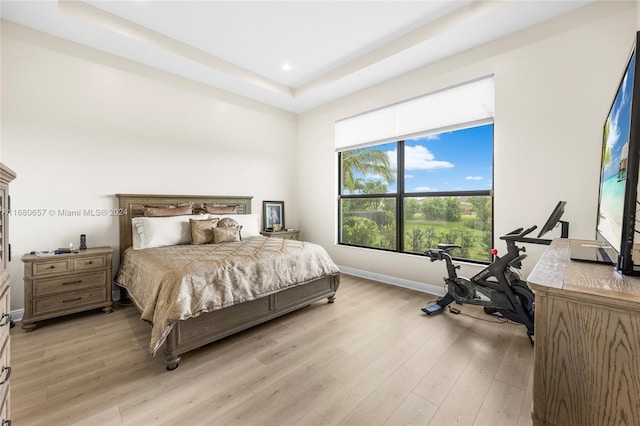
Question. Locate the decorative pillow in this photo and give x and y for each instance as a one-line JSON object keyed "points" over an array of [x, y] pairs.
{"points": [[162, 231], [227, 221], [250, 223], [220, 208], [178, 210], [225, 234], [201, 231]]}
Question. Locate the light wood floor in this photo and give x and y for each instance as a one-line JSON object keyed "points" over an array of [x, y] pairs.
{"points": [[371, 358]]}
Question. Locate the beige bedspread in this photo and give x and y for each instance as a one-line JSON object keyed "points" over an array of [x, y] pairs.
{"points": [[169, 284]]}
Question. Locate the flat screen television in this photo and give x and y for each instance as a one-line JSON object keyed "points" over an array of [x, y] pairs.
{"points": [[618, 195]]}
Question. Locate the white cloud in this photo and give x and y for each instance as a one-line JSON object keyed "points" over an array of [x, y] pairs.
{"points": [[434, 137], [474, 178], [626, 94], [423, 189], [418, 158], [614, 128], [613, 137], [375, 176]]}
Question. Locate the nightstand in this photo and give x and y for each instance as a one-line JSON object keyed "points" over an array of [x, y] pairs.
{"points": [[63, 284], [292, 234]]}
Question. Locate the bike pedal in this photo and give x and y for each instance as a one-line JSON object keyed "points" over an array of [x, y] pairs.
{"points": [[432, 309]]}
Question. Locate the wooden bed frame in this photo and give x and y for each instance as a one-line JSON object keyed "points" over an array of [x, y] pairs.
{"points": [[208, 327]]}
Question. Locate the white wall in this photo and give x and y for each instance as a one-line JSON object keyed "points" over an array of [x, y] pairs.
{"points": [[79, 126], [554, 86]]}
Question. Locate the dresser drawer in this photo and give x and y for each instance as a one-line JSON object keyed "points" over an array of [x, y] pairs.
{"points": [[5, 366], [5, 317], [69, 301], [51, 267], [92, 262], [68, 283], [4, 408], [4, 281]]}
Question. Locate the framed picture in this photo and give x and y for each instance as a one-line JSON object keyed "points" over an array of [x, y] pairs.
{"points": [[273, 215]]}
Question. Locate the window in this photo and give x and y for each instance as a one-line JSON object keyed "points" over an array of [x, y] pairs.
{"points": [[410, 195], [419, 173]]}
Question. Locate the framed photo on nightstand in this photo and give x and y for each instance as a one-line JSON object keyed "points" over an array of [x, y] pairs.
{"points": [[273, 215]]}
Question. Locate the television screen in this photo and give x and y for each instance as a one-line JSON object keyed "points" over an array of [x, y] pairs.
{"points": [[615, 155], [619, 171]]}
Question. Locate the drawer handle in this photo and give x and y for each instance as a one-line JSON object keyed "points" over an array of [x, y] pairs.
{"points": [[8, 370], [52, 267], [90, 262], [72, 282], [5, 315], [72, 300]]}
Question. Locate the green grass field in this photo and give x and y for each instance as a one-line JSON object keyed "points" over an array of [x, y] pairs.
{"points": [[422, 234], [435, 232]]}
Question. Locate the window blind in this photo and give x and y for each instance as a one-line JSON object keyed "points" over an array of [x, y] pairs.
{"points": [[454, 107]]}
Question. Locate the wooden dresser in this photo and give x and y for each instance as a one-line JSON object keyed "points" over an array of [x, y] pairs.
{"points": [[289, 235], [6, 176], [63, 284], [587, 342]]}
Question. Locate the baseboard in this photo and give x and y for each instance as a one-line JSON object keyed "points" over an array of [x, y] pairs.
{"points": [[399, 282], [17, 315]]}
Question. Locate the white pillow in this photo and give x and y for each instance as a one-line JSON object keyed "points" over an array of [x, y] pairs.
{"points": [[250, 223], [148, 232]]}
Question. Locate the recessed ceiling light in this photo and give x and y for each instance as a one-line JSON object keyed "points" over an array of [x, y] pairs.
{"points": [[286, 67]]}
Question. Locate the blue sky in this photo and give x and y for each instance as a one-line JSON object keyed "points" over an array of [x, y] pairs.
{"points": [[449, 161]]}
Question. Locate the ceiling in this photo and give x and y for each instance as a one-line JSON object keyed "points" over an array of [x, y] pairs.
{"points": [[332, 48]]}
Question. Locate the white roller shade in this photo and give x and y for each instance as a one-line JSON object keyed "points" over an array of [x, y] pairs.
{"points": [[446, 109], [363, 129]]}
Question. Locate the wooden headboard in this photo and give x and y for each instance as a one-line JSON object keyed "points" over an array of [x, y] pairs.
{"points": [[132, 205]]}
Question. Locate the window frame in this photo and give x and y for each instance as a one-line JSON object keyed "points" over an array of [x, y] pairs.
{"points": [[400, 195]]}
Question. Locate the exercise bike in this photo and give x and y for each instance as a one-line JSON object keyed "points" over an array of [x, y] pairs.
{"points": [[506, 295]]}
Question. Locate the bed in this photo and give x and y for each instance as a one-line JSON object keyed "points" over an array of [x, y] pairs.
{"points": [[195, 293]]}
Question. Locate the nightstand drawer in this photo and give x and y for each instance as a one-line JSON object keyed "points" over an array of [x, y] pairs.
{"points": [[68, 283], [92, 262], [68, 301], [51, 267]]}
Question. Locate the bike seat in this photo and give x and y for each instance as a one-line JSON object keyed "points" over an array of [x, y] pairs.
{"points": [[447, 247]]}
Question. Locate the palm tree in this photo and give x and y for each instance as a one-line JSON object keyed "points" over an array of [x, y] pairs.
{"points": [[364, 161], [606, 149]]}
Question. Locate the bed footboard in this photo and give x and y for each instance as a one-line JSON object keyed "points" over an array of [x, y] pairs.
{"points": [[211, 326]]}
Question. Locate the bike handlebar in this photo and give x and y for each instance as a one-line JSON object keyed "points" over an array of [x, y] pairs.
{"points": [[512, 257], [515, 231], [517, 234]]}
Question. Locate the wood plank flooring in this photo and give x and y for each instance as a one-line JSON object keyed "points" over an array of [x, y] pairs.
{"points": [[371, 358]]}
